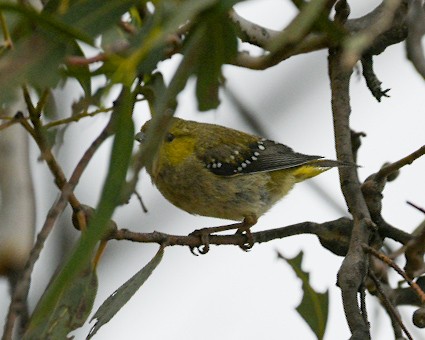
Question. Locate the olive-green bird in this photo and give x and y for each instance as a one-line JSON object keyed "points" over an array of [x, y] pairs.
{"points": [[211, 170]]}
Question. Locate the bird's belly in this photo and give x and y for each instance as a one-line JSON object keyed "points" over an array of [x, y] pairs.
{"points": [[232, 198]]}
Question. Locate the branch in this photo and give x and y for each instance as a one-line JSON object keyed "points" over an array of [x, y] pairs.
{"points": [[388, 21], [374, 185], [367, 36], [39, 136], [418, 291], [389, 169], [416, 24], [20, 294], [389, 307], [355, 264], [252, 33], [326, 231]]}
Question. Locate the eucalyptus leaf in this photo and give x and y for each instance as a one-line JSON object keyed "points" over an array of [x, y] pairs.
{"points": [[216, 44], [314, 306], [123, 294], [73, 310], [99, 224]]}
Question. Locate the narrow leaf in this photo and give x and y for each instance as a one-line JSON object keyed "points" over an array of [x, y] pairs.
{"points": [[73, 310], [314, 306], [95, 16], [98, 225], [123, 294], [216, 44]]}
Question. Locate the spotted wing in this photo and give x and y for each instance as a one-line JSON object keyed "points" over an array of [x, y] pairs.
{"points": [[260, 156]]}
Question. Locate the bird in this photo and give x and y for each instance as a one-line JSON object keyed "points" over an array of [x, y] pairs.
{"points": [[216, 171]]}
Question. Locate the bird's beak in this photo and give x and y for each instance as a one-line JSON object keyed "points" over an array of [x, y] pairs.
{"points": [[140, 137]]}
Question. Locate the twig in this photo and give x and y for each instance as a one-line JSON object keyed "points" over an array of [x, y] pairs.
{"points": [[261, 36], [22, 288], [40, 138], [139, 197], [388, 305], [360, 42], [20, 294], [235, 239], [8, 42], [84, 61], [372, 81], [76, 118], [392, 167], [251, 32], [416, 206], [334, 235], [8, 124], [394, 265]]}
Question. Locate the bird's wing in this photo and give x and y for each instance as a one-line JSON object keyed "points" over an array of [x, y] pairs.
{"points": [[260, 156]]}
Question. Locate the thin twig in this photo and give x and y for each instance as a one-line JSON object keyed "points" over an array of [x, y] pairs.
{"points": [[388, 305], [390, 168], [22, 288], [400, 271], [38, 134], [8, 42], [76, 118], [139, 197], [8, 124], [416, 206]]}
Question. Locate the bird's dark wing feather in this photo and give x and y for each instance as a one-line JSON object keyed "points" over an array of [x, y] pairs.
{"points": [[260, 156]]}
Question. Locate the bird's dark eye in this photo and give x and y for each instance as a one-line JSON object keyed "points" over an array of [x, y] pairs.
{"points": [[169, 137]]}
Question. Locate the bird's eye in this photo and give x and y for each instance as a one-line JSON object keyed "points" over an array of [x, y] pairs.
{"points": [[169, 137]]}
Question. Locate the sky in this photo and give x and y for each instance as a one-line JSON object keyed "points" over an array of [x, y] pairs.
{"points": [[228, 293]]}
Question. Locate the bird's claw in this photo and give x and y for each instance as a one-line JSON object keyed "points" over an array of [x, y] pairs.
{"points": [[249, 242], [205, 233], [204, 248]]}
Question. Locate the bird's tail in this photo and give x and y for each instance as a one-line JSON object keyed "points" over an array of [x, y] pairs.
{"points": [[328, 163], [316, 167]]}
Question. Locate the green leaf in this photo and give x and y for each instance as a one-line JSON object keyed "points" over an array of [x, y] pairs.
{"points": [[314, 306], [95, 16], [123, 294], [73, 310], [49, 36], [98, 224], [153, 89], [49, 23], [216, 43]]}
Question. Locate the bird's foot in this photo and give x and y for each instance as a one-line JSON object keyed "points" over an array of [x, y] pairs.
{"points": [[204, 236], [249, 243]]}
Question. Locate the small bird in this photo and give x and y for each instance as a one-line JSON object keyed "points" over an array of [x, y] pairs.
{"points": [[215, 171]]}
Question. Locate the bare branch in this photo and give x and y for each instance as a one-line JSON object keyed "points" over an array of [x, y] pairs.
{"points": [[355, 264], [420, 293], [20, 293], [416, 24], [355, 46], [251, 32], [388, 21], [391, 310]]}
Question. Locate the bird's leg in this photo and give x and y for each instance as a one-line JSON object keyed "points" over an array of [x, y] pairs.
{"points": [[242, 228], [245, 228]]}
